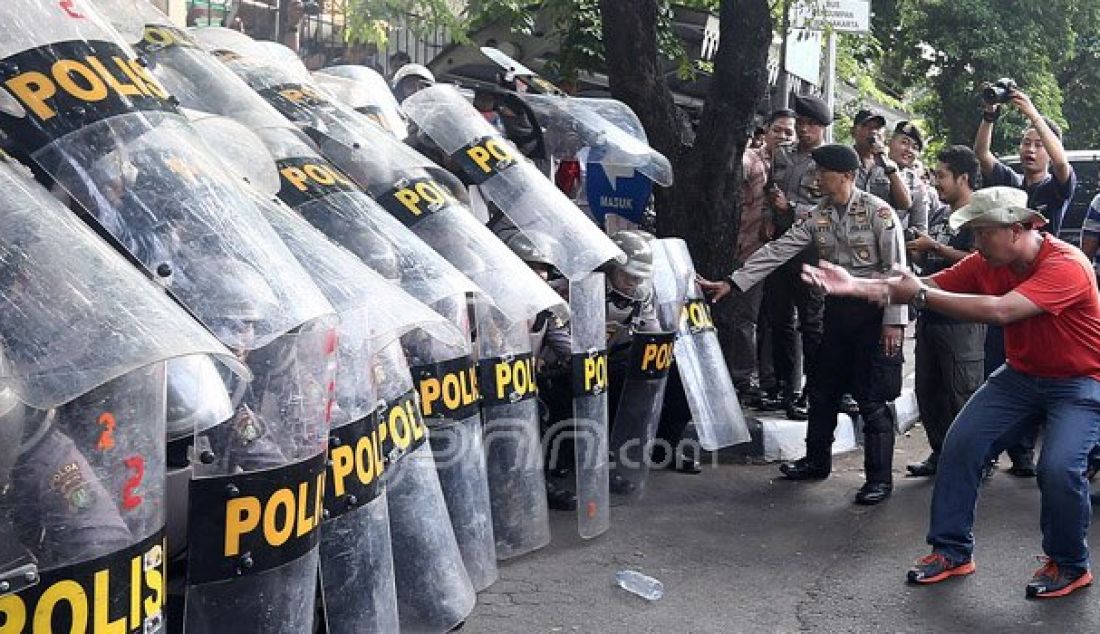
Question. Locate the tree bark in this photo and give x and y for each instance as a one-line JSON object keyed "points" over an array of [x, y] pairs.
{"points": [[703, 205]]}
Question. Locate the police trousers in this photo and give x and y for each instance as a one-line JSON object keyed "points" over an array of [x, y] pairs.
{"points": [[785, 295], [949, 367], [851, 360]]}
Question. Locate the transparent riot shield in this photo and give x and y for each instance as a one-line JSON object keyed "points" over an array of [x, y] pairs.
{"points": [[639, 411], [446, 379], [434, 592], [367, 93], [570, 125], [117, 144], [716, 414], [410, 187], [82, 421], [589, 368], [357, 569], [509, 180], [256, 496], [513, 448]]}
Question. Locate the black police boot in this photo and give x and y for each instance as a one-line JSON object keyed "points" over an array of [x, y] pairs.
{"points": [[775, 398], [799, 408], [559, 498], [804, 469], [872, 493], [1023, 469], [925, 468], [878, 454], [849, 406]]}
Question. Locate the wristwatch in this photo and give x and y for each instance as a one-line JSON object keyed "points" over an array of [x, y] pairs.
{"points": [[920, 300]]}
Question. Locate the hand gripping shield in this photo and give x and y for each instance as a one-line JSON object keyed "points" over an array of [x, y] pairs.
{"points": [[716, 414], [589, 361], [510, 181]]}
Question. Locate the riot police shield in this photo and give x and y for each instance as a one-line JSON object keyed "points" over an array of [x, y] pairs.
{"points": [[434, 592], [589, 369], [513, 448], [716, 414], [256, 494], [83, 416], [571, 125], [330, 201], [447, 384], [357, 571], [406, 184], [510, 181], [367, 92], [639, 408], [117, 144]]}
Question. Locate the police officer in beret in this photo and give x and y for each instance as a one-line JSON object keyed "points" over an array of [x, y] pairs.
{"points": [[860, 351], [905, 148], [792, 193]]}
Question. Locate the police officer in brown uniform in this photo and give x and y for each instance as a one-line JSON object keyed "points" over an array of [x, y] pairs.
{"points": [[792, 193], [860, 351]]}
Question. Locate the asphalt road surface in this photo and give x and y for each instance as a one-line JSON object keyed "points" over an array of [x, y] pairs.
{"points": [[741, 550]]}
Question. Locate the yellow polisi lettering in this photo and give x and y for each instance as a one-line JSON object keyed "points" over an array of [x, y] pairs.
{"points": [[295, 177], [452, 391], [14, 613], [242, 515], [33, 89], [400, 427], [698, 315], [281, 503], [343, 463], [595, 373], [71, 76], [492, 150], [515, 378], [63, 591], [656, 356], [124, 89], [101, 607]]}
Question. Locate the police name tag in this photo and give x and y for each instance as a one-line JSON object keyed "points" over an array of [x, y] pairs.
{"points": [[247, 523], [66, 86], [448, 389], [306, 179], [651, 355], [505, 380], [589, 373], [484, 158], [120, 593], [414, 199]]}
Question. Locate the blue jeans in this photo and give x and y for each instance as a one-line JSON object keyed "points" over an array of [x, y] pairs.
{"points": [[1003, 409]]}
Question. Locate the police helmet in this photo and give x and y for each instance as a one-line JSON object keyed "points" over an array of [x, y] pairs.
{"points": [[231, 297], [410, 78], [632, 278], [196, 398]]}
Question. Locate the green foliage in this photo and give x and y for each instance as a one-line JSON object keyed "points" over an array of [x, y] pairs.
{"points": [[577, 21], [950, 48]]}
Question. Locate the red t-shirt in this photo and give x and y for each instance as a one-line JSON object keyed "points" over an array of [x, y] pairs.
{"points": [[1063, 341]]}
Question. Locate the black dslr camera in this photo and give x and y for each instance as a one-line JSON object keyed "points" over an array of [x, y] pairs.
{"points": [[999, 91]]}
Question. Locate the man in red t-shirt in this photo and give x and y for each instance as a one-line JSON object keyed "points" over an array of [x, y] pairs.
{"points": [[1043, 291]]}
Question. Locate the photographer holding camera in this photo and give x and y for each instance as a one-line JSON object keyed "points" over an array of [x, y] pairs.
{"points": [[878, 174], [1049, 181]]}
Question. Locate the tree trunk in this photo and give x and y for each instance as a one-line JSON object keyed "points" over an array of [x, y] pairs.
{"points": [[703, 203]]}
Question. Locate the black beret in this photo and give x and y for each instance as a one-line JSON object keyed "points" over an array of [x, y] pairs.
{"points": [[814, 108], [913, 132], [836, 158]]}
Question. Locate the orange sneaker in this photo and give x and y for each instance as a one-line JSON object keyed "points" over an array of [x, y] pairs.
{"points": [[935, 568], [1053, 581]]}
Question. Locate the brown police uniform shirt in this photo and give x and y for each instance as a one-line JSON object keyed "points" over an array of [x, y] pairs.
{"points": [[864, 237]]}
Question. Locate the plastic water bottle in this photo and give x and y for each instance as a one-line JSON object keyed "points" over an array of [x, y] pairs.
{"points": [[642, 585]]}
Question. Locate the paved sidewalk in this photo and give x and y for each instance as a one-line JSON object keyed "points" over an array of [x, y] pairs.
{"points": [[739, 550]]}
